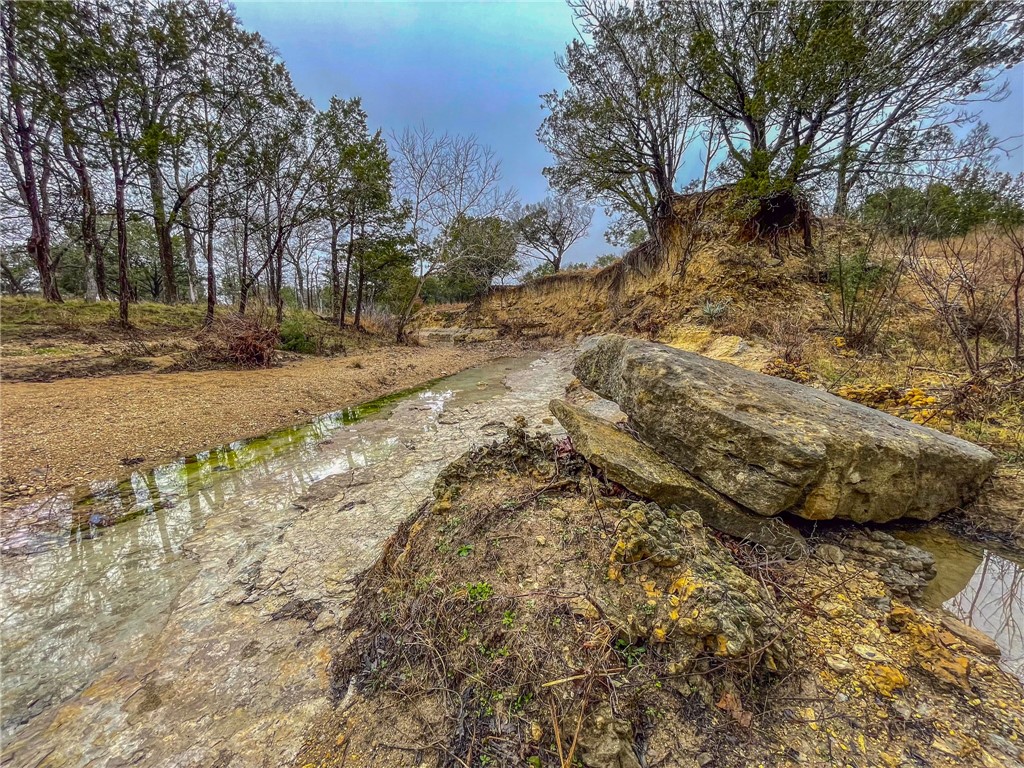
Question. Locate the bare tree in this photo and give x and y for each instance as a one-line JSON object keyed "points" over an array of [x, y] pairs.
{"points": [[550, 228], [1013, 273], [444, 179], [26, 138]]}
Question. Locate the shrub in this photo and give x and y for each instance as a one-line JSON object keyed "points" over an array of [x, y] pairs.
{"points": [[712, 311], [296, 336], [967, 282], [864, 281]]}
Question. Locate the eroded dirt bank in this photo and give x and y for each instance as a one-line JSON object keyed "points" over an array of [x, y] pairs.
{"points": [[73, 431]]}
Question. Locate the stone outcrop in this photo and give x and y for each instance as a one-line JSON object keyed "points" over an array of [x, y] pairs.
{"points": [[904, 568], [625, 460], [699, 600], [772, 445]]}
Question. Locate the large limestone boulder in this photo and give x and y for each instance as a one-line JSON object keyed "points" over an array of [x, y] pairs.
{"points": [[633, 465], [774, 446]]}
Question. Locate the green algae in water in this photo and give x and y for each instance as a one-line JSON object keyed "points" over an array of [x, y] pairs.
{"points": [[139, 494]]}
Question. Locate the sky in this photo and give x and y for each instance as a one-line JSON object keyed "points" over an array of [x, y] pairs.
{"points": [[464, 67]]}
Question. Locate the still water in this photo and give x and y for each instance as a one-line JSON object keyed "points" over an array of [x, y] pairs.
{"points": [[980, 586], [79, 592]]}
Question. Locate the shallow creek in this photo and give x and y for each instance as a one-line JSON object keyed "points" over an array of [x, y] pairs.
{"points": [[198, 629], [980, 586]]}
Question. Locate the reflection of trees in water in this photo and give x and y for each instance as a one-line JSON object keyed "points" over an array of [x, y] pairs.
{"points": [[993, 602], [64, 612]]}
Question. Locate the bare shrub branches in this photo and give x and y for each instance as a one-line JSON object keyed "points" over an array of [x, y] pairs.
{"points": [[963, 282]]}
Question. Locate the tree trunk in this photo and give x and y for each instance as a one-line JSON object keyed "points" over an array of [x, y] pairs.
{"points": [[335, 277], [359, 298], [1018, 283], [190, 252], [92, 254], [211, 277], [121, 216], [300, 289], [38, 244], [348, 267], [400, 333], [163, 233], [278, 276], [243, 270], [13, 280]]}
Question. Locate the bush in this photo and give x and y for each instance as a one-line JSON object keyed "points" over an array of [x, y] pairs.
{"points": [[865, 282], [306, 333], [296, 336]]}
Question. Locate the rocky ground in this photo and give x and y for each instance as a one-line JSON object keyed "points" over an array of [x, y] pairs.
{"points": [[537, 614], [658, 589], [75, 430]]}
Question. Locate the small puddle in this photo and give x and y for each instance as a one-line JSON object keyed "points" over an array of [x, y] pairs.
{"points": [[103, 574], [981, 587]]}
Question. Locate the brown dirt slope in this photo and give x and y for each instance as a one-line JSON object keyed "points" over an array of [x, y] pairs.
{"points": [[736, 301]]}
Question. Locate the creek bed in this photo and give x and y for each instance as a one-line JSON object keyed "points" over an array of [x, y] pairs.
{"points": [[197, 629], [91, 605]]}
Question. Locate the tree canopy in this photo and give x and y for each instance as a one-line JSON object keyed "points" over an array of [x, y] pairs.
{"points": [[823, 97]]}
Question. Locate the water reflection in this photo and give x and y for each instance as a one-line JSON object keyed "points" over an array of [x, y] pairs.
{"points": [[81, 514], [80, 590], [993, 601], [981, 587]]}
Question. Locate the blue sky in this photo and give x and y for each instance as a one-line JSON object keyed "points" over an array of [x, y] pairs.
{"points": [[464, 67]]}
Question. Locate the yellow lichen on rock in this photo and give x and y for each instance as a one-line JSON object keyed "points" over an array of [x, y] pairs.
{"points": [[884, 679]]}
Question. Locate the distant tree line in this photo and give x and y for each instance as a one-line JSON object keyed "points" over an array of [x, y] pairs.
{"points": [[160, 151]]}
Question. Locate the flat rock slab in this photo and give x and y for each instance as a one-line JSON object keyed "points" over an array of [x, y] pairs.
{"points": [[773, 445], [633, 465]]}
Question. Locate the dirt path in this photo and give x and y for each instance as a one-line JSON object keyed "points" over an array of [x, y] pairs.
{"points": [[71, 431]]}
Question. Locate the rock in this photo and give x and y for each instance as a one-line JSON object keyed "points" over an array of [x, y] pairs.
{"points": [[999, 744], [773, 445], [631, 464], [902, 567], [647, 534], [972, 636], [869, 653], [832, 610], [584, 608], [711, 604], [607, 741], [885, 680], [829, 553], [839, 665], [325, 620]]}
